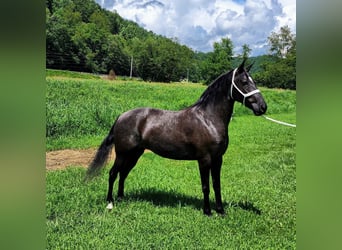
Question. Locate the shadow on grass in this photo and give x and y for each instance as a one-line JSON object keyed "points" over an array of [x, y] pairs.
{"points": [[172, 199]]}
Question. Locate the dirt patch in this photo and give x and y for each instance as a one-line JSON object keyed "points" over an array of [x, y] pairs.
{"points": [[61, 159]]}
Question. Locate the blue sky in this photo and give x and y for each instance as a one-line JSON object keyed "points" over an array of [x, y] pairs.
{"points": [[200, 23]]}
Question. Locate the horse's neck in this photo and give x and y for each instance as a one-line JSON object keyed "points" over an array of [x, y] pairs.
{"points": [[230, 111], [223, 110], [227, 111], [228, 108], [216, 100]]}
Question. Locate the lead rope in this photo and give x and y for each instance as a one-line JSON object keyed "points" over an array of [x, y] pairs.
{"points": [[279, 122]]}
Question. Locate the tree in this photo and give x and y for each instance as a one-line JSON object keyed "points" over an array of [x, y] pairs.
{"points": [[61, 52], [281, 43], [115, 21], [100, 20], [161, 59], [218, 61], [277, 75], [246, 51], [92, 45], [86, 8], [281, 71], [117, 57], [223, 54]]}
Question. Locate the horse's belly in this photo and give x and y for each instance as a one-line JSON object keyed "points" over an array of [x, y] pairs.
{"points": [[176, 152]]}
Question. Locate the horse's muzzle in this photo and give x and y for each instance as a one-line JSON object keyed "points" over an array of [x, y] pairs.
{"points": [[260, 109]]}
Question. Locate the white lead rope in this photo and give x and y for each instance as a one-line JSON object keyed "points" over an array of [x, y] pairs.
{"points": [[280, 122]]}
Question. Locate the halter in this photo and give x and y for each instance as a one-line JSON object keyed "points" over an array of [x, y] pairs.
{"points": [[243, 94]]}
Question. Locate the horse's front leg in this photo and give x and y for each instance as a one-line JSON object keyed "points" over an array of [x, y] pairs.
{"points": [[215, 174], [204, 168]]}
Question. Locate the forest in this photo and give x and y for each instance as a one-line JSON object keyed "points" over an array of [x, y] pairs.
{"points": [[82, 36]]}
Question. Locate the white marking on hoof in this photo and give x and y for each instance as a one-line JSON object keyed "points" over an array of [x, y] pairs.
{"points": [[110, 206]]}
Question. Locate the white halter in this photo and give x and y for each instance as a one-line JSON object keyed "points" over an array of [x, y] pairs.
{"points": [[243, 94]]}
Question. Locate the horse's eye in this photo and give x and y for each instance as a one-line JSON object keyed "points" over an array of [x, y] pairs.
{"points": [[244, 81]]}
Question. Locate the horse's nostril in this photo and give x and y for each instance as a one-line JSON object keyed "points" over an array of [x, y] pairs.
{"points": [[263, 107]]}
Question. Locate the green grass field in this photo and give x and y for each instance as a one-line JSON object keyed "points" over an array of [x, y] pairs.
{"points": [[163, 204]]}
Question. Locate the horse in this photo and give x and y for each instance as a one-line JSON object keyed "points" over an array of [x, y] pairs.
{"points": [[198, 132]]}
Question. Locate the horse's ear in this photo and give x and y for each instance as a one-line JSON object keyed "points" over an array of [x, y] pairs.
{"points": [[242, 65], [248, 68]]}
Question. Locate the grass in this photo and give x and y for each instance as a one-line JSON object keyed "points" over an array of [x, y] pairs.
{"points": [[163, 204]]}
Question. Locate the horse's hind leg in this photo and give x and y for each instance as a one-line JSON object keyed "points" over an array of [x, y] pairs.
{"points": [[131, 159], [113, 173], [124, 162]]}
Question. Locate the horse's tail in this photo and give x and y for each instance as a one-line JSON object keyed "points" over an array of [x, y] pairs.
{"points": [[101, 156]]}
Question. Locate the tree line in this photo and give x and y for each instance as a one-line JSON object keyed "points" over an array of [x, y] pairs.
{"points": [[82, 36]]}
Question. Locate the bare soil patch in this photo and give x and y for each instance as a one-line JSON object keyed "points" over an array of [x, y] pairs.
{"points": [[61, 159]]}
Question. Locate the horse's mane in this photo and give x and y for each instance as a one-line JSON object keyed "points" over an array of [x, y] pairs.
{"points": [[217, 88]]}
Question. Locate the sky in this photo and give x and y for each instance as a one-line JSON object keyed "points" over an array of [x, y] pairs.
{"points": [[200, 23]]}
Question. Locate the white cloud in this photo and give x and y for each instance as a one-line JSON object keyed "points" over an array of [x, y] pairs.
{"points": [[289, 16], [198, 23], [252, 27]]}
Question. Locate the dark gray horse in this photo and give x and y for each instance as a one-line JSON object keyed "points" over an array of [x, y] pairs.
{"points": [[199, 132]]}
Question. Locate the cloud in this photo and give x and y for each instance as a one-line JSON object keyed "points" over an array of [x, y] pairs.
{"points": [[252, 27], [289, 14], [199, 23]]}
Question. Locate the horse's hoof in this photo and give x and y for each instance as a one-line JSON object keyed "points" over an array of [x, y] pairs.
{"points": [[110, 206], [207, 212], [220, 211], [223, 214]]}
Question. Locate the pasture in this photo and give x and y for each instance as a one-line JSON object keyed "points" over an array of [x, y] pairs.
{"points": [[163, 204]]}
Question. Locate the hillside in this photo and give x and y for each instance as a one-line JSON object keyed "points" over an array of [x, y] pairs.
{"points": [[82, 36]]}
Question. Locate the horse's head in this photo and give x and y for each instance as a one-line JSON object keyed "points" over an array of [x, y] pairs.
{"points": [[244, 90]]}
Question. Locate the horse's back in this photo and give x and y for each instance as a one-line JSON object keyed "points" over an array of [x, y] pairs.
{"points": [[146, 128]]}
